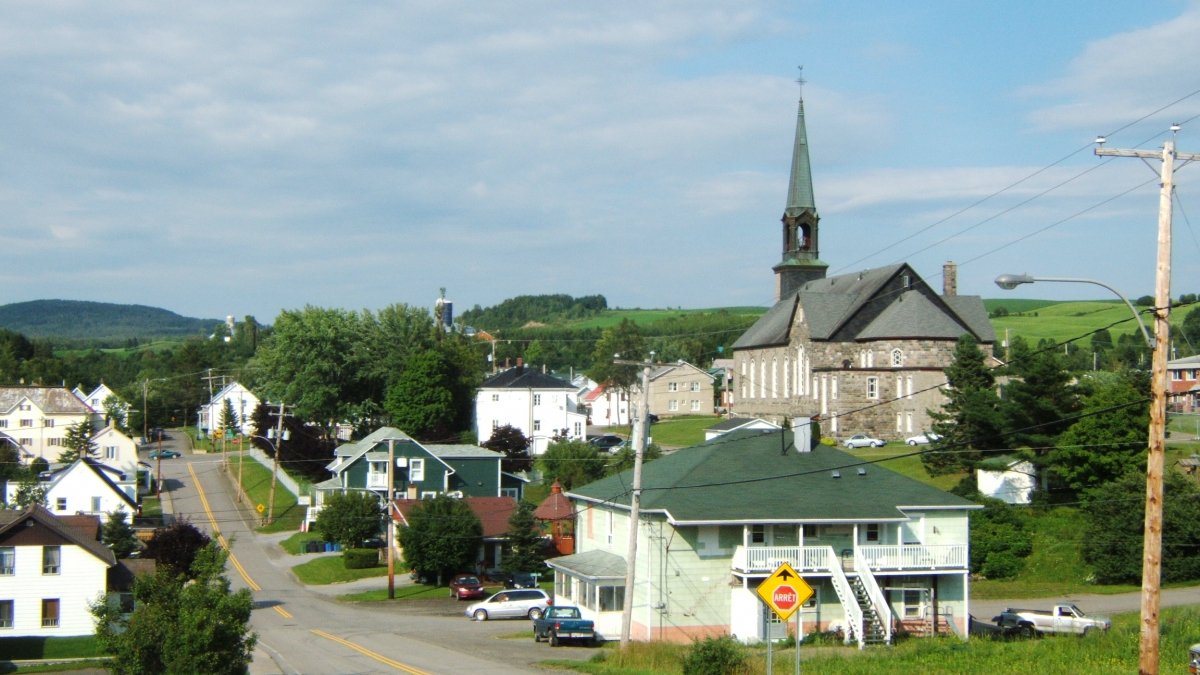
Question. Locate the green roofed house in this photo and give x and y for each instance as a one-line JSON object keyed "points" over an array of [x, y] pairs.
{"points": [[882, 551], [421, 471]]}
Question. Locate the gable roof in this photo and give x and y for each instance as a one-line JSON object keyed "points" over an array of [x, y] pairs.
{"points": [[525, 378], [229, 389], [99, 470], [912, 316], [48, 399], [1185, 361], [665, 368], [493, 512], [349, 453], [739, 422], [461, 451], [741, 477], [10, 520]]}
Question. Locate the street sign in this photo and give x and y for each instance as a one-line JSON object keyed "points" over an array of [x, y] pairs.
{"points": [[260, 508], [784, 591]]}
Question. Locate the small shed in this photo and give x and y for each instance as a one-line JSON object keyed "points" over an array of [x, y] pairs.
{"points": [[1008, 479]]}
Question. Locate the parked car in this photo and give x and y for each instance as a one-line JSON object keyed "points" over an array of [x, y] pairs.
{"points": [[864, 441], [607, 442], [1063, 619], [158, 432], [466, 587], [1194, 660], [518, 604], [924, 438], [563, 623], [166, 454], [518, 580]]}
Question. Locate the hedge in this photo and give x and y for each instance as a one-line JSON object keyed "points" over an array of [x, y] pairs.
{"points": [[360, 558]]}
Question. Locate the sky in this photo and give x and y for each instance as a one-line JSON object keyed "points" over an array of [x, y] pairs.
{"points": [[220, 158]]}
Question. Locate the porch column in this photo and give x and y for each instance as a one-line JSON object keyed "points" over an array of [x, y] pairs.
{"points": [[499, 551], [856, 539], [800, 540]]}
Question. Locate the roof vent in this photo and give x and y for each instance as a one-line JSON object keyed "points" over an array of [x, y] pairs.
{"points": [[836, 474], [862, 470]]}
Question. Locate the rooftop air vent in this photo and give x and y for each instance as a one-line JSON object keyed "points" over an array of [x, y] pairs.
{"points": [[862, 470], [836, 474]]}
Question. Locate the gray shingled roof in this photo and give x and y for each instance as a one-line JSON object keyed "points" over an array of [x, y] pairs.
{"points": [[594, 564], [913, 316], [970, 309], [522, 377], [49, 399], [772, 329], [12, 519], [451, 451]]}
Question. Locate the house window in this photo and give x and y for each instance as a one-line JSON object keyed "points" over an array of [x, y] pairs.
{"points": [[96, 504], [609, 536], [695, 405], [899, 421], [25, 441], [908, 422], [752, 371], [25, 406], [537, 399], [495, 424], [49, 423], [673, 405], [787, 367], [50, 613], [897, 358], [495, 398], [672, 386], [8, 560], [60, 504], [833, 388], [912, 604], [612, 598], [872, 387], [906, 280], [53, 441], [873, 533], [695, 386], [6, 613], [578, 429], [27, 423], [51, 559], [537, 425], [510, 492], [3, 424], [1176, 375], [762, 377], [416, 470], [429, 495], [758, 534], [110, 452]]}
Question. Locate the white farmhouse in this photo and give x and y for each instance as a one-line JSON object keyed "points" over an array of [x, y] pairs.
{"points": [[50, 571], [87, 487], [609, 406], [95, 400], [115, 449], [37, 418], [1007, 479], [244, 403], [541, 406]]}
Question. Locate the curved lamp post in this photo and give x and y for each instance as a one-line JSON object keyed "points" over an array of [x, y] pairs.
{"points": [[1011, 281], [272, 441]]}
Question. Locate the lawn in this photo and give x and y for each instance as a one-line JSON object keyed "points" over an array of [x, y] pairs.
{"points": [[330, 570], [151, 506], [1112, 653], [682, 431], [422, 591], [295, 543], [910, 466], [256, 481], [23, 648]]}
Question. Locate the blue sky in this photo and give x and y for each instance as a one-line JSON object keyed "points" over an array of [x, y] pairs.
{"points": [[224, 158]]}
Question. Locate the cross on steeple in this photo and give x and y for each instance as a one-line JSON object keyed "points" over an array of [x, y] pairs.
{"points": [[801, 81]]}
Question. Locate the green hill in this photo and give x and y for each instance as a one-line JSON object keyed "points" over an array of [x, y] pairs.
{"points": [[1036, 319], [97, 320]]}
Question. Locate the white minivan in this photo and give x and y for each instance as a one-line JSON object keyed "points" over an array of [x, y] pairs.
{"points": [[511, 604]]}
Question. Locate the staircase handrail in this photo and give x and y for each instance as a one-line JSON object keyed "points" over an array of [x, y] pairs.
{"points": [[878, 599], [854, 617]]}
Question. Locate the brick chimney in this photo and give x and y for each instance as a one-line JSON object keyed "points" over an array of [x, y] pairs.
{"points": [[950, 279]]}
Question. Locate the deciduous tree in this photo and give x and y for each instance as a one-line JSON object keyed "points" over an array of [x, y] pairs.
{"points": [[174, 548], [431, 399], [442, 537], [349, 519], [510, 442], [573, 463], [623, 341], [1103, 447]]}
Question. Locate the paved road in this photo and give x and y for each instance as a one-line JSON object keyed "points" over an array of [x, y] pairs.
{"points": [[302, 631], [1091, 603]]}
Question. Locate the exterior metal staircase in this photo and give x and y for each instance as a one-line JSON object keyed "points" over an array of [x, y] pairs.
{"points": [[874, 630]]}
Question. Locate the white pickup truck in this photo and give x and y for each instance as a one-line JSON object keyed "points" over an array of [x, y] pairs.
{"points": [[1063, 619]]}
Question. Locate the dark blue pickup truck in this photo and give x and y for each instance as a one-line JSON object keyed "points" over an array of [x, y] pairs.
{"points": [[563, 623]]}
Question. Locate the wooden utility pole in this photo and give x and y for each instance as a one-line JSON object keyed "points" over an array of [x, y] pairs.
{"points": [[241, 461], [275, 468], [146, 410], [1152, 546], [158, 486], [391, 542], [635, 499]]}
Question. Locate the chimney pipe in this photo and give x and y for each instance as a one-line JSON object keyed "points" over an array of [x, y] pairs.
{"points": [[507, 362], [520, 362], [950, 279]]}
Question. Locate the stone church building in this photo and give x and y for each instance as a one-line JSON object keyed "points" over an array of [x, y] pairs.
{"points": [[858, 349]]}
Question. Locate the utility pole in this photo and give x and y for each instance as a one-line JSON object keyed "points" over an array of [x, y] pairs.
{"points": [[391, 529], [145, 409], [635, 499], [275, 468], [1152, 547], [241, 461], [158, 487]]}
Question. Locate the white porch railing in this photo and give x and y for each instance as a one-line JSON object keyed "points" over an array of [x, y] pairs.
{"points": [[915, 557], [376, 480], [767, 558], [854, 617]]}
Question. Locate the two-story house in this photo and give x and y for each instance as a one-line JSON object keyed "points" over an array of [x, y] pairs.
{"points": [[211, 415], [116, 450], [608, 406], [880, 549], [679, 389], [1184, 377], [50, 572], [37, 418], [96, 399], [421, 471], [88, 487], [540, 405]]}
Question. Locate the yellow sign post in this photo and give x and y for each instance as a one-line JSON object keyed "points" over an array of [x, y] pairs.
{"points": [[260, 508], [785, 592]]}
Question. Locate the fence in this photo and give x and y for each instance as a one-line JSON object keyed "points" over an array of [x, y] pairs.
{"points": [[284, 479]]}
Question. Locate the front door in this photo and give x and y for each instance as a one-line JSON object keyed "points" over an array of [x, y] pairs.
{"points": [[772, 628]]}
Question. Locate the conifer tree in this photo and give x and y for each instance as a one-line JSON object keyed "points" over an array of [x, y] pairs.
{"points": [[229, 418], [970, 421], [78, 442], [527, 539], [119, 536]]}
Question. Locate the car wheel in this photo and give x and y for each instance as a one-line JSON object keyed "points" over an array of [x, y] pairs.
{"points": [[554, 639], [1027, 631], [877, 445], [1087, 631], [537, 637], [913, 443], [535, 614], [481, 615]]}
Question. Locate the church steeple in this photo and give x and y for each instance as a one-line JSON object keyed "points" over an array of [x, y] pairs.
{"points": [[801, 261]]}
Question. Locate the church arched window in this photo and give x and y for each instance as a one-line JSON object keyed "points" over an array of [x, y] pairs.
{"points": [[897, 358]]}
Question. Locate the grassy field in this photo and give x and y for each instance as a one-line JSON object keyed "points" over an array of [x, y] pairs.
{"points": [[1101, 654], [256, 481], [330, 570], [295, 543], [682, 431], [23, 648], [1064, 320], [644, 317]]}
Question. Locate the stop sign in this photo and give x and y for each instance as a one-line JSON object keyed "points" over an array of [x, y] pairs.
{"points": [[785, 597]]}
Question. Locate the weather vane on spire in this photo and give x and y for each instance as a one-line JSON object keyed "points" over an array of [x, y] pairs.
{"points": [[800, 80]]}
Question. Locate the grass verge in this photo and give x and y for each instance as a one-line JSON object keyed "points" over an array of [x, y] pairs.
{"points": [[256, 481], [1113, 653], [295, 543], [58, 667], [23, 648], [151, 506], [331, 570], [422, 591], [682, 431]]}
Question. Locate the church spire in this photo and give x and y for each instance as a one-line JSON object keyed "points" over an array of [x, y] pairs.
{"points": [[800, 190]]}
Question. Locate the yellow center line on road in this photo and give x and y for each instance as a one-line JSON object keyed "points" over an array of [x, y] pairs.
{"points": [[367, 652], [283, 612], [213, 521]]}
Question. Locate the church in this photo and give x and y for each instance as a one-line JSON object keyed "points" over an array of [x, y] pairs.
{"points": [[864, 351]]}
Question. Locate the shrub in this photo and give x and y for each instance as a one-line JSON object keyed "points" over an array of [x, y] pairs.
{"points": [[360, 558], [1000, 539], [715, 656], [1002, 565], [349, 519], [830, 441]]}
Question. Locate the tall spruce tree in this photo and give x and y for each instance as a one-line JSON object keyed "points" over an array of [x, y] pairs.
{"points": [[78, 442], [527, 539], [970, 421], [119, 537], [1036, 401]]}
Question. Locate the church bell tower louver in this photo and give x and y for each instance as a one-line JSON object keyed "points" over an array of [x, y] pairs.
{"points": [[801, 262]]}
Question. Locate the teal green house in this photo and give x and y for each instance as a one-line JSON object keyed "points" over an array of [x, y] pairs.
{"points": [[883, 552], [421, 471]]}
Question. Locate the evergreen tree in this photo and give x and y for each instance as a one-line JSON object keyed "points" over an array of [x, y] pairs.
{"points": [[1101, 448], [510, 442], [78, 442], [1040, 395], [442, 537], [527, 540], [10, 461], [119, 537], [229, 419], [969, 422]]}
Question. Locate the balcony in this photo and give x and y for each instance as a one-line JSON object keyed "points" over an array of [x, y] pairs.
{"points": [[376, 481], [818, 559]]}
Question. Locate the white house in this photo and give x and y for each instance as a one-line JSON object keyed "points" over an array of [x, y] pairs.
{"points": [[244, 403], [37, 418], [541, 406], [738, 424], [95, 400], [116, 450], [49, 573], [87, 487], [609, 406], [1013, 484]]}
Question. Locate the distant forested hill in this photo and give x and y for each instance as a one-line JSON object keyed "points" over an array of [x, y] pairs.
{"points": [[536, 309], [80, 319]]}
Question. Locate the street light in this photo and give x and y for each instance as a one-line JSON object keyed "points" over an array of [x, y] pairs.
{"points": [[1011, 281]]}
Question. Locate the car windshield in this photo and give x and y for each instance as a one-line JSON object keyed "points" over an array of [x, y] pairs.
{"points": [[1076, 611], [564, 613], [468, 580]]}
